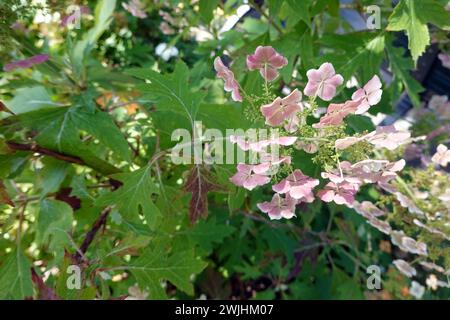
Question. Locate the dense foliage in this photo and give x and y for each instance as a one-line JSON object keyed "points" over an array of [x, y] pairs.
{"points": [[96, 98]]}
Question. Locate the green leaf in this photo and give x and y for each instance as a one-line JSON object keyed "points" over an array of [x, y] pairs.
{"points": [[15, 276], [52, 175], [29, 99], [135, 195], [208, 232], [301, 8], [155, 266], [412, 16], [103, 18], [171, 92], [401, 69], [206, 8], [54, 224], [59, 129]]}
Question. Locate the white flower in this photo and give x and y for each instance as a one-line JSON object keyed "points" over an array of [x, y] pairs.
{"points": [[166, 52], [416, 290], [405, 268]]}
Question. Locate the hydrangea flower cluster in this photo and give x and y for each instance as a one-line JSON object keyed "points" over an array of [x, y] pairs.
{"points": [[341, 181], [348, 162]]}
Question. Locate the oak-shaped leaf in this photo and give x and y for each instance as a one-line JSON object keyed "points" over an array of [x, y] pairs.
{"points": [[199, 182], [154, 266], [134, 196]]}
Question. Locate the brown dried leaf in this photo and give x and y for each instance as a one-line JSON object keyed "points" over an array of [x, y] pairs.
{"points": [[200, 181], [4, 196]]}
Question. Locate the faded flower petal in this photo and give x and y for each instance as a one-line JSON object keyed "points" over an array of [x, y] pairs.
{"points": [[369, 95], [246, 177], [336, 113], [298, 186], [267, 61], [282, 109], [230, 85], [405, 268], [278, 207], [322, 82], [136, 8], [442, 155], [387, 137], [343, 193]]}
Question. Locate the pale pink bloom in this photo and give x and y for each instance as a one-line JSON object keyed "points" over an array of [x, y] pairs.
{"points": [[432, 266], [308, 147], [258, 146], [367, 209], [343, 193], [247, 177], [298, 186], [336, 113], [292, 124], [405, 268], [267, 60], [323, 82], [441, 105], [389, 188], [136, 8], [416, 290], [346, 142], [76, 15], [445, 197], [278, 207], [369, 95], [445, 59], [442, 155], [431, 229], [413, 246], [230, 85], [26, 63], [387, 137], [396, 238], [274, 159], [381, 225], [282, 109], [405, 202]]}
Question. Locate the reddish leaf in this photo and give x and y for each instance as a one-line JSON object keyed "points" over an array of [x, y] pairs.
{"points": [[4, 196], [200, 181]]}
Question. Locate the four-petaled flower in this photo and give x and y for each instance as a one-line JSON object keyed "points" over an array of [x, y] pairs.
{"points": [[336, 113], [322, 82], [369, 95], [442, 155], [267, 61], [282, 109], [136, 8], [342, 193], [250, 176], [227, 76], [387, 137], [298, 186], [279, 207]]}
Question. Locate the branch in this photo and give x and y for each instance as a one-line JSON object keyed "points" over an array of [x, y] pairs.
{"points": [[44, 292], [90, 235], [106, 170], [44, 151]]}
